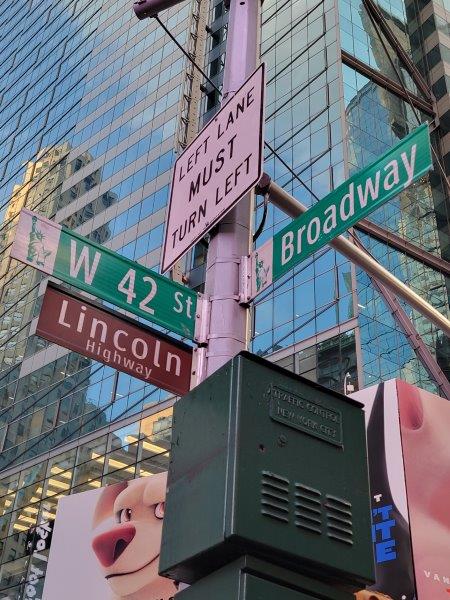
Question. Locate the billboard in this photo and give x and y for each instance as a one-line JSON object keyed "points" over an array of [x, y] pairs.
{"points": [[425, 427], [106, 544], [409, 467]]}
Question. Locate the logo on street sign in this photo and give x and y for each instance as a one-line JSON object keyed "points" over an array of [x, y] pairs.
{"points": [[220, 166], [78, 261], [36, 241], [353, 200]]}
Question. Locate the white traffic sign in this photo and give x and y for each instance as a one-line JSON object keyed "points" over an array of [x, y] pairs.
{"points": [[221, 165]]}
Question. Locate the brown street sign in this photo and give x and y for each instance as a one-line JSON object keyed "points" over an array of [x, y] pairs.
{"points": [[80, 325]]}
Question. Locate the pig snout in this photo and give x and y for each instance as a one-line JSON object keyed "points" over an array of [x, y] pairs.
{"points": [[109, 546]]}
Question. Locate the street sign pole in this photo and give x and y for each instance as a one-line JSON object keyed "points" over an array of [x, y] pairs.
{"points": [[228, 330]]}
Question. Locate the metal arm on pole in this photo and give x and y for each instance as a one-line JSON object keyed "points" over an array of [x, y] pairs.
{"points": [[294, 208]]}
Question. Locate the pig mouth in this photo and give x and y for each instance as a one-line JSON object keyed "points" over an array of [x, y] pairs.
{"points": [[132, 572]]}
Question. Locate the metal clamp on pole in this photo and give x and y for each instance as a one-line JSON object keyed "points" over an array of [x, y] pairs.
{"points": [[224, 297], [198, 366], [245, 281], [226, 260], [202, 317]]}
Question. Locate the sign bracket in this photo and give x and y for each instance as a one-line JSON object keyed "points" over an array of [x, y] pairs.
{"points": [[199, 359], [202, 318], [225, 297], [245, 281]]}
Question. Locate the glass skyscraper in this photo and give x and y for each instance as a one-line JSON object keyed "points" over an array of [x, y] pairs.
{"points": [[94, 108]]}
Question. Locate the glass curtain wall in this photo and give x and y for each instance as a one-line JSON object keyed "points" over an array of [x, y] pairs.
{"points": [[326, 120], [89, 125], [377, 119], [304, 125], [89, 122]]}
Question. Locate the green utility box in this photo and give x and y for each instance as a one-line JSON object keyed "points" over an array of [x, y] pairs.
{"points": [[251, 579], [268, 464]]}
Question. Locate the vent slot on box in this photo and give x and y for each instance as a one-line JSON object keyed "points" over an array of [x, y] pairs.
{"points": [[275, 496], [339, 519], [308, 508]]}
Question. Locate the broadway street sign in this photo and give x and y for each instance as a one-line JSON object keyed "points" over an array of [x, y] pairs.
{"points": [[222, 164], [115, 340], [62, 253], [357, 197]]}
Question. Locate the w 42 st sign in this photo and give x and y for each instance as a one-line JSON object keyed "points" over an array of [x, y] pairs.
{"points": [[74, 259]]}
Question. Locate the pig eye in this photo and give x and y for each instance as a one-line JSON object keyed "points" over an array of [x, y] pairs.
{"points": [[124, 515], [159, 510]]}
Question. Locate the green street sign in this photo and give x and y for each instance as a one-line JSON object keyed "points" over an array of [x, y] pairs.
{"points": [[353, 200], [72, 258]]}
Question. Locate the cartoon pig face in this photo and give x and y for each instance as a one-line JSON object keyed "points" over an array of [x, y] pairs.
{"points": [[127, 538]]}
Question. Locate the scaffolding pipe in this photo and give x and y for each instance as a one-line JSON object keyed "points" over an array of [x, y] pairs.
{"points": [[292, 207]]}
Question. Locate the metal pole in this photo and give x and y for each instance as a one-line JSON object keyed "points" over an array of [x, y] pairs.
{"points": [[228, 331], [415, 340], [294, 208]]}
